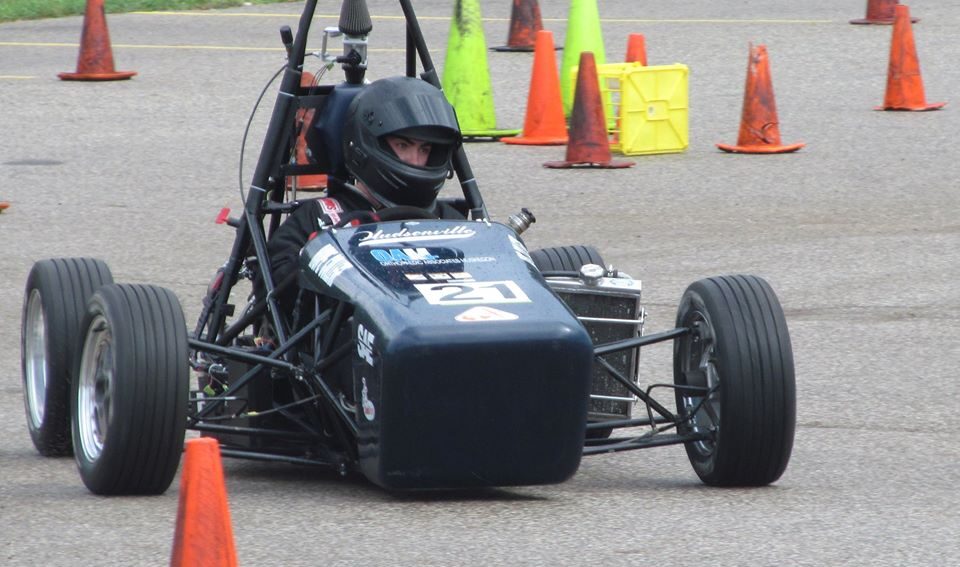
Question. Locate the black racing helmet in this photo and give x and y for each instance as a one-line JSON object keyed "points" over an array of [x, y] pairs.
{"points": [[408, 107]]}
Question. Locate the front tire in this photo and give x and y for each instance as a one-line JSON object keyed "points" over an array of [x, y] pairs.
{"points": [[739, 350], [130, 398], [53, 306]]}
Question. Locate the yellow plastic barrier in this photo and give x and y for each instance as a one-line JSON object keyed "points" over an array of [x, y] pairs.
{"points": [[646, 107]]}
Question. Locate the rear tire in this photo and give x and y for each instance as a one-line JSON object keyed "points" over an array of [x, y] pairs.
{"points": [[565, 258], [739, 347], [53, 306], [130, 397]]}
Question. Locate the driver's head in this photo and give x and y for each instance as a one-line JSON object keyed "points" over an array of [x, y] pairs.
{"points": [[399, 139]]}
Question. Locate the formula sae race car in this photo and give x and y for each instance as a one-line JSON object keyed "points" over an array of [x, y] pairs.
{"points": [[430, 354]]}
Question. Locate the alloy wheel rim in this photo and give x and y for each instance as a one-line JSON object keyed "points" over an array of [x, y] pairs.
{"points": [[95, 393], [35, 356]]}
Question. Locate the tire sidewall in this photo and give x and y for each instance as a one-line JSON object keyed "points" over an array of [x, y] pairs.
{"points": [[49, 434]]}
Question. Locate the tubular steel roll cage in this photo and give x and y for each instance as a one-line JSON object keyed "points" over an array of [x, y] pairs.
{"points": [[266, 197]]}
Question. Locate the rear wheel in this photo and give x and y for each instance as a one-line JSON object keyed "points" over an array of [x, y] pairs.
{"points": [[130, 397], [565, 258], [54, 303], [570, 259], [739, 362]]}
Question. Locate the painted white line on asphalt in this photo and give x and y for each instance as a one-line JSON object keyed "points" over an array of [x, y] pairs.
{"points": [[447, 18], [200, 47]]}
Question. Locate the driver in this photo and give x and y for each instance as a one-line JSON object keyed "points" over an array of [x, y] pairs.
{"points": [[398, 143]]}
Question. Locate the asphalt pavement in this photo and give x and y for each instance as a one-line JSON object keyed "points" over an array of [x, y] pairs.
{"points": [[858, 233]]}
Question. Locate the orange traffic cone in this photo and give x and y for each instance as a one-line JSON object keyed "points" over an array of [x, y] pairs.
{"points": [[303, 120], [636, 49], [904, 83], [95, 62], [589, 145], [545, 124], [4, 205], [525, 22], [759, 127], [204, 536], [636, 53], [880, 12]]}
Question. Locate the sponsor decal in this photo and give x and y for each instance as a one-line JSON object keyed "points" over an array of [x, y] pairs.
{"points": [[378, 237], [365, 340], [440, 261], [328, 263], [404, 257], [521, 250], [479, 314], [394, 256], [472, 293], [331, 208], [439, 276], [369, 411]]}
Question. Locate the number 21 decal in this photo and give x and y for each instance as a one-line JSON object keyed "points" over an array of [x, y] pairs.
{"points": [[472, 293]]}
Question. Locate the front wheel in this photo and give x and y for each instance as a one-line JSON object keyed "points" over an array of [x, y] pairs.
{"points": [[735, 378], [129, 400]]}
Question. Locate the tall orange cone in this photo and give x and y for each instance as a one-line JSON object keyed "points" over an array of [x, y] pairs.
{"points": [[303, 119], [636, 49], [589, 145], [525, 22], [904, 83], [204, 536], [95, 62], [880, 12], [759, 127], [545, 124]]}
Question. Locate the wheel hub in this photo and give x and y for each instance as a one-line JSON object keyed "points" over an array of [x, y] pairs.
{"points": [[700, 371]]}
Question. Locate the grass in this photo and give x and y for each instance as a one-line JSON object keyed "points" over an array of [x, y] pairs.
{"points": [[35, 9]]}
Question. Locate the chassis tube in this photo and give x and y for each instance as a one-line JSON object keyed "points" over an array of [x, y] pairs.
{"points": [[640, 341], [642, 442], [268, 164]]}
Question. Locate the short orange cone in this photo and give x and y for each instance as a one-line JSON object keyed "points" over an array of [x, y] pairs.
{"points": [[545, 124], [204, 537], [759, 127], [904, 83], [880, 12], [303, 120], [525, 22], [589, 145], [95, 62], [636, 53], [636, 49]]}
